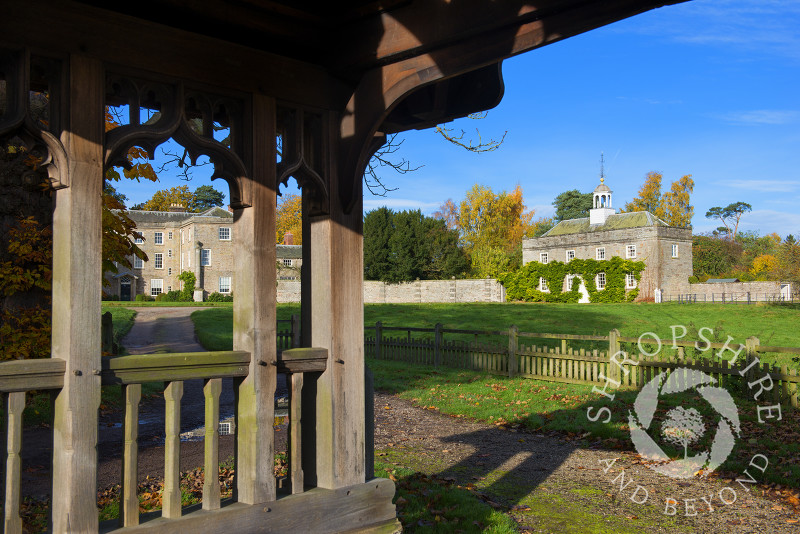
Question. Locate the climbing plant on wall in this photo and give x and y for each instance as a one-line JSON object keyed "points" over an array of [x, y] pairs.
{"points": [[524, 283]]}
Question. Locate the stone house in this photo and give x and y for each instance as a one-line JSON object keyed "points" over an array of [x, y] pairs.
{"points": [[665, 250], [177, 241]]}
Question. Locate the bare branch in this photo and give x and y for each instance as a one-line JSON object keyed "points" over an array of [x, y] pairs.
{"points": [[181, 161], [469, 144], [383, 158]]}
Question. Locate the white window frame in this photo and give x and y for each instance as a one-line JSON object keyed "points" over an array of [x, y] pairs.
{"points": [[570, 255], [169, 288], [675, 250], [597, 281], [630, 251], [543, 284], [169, 253], [544, 257], [221, 284], [169, 236], [205, 257], [630, 281], [169, 271], [158, 260], [600, 253], [287, 262], [156, 286], [139, 240], [224, 230], [158, 238], [138, 263]]}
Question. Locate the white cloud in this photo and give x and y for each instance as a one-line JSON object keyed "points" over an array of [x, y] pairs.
{"points": [[765, 186], [759, 116]]}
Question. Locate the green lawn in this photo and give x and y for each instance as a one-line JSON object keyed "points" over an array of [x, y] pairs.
{"points": [[772, 324], [543, 407]]}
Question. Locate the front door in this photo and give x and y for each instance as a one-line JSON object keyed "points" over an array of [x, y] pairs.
{"points": [[125, 288]]}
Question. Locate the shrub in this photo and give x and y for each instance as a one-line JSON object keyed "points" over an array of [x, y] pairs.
{"points": [[189, 280], [219, 297], [141, 297]]}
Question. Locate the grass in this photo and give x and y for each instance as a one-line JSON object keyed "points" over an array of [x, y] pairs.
{"points": [[123, 319], [773, 324], [432, 504], [547, 407]]}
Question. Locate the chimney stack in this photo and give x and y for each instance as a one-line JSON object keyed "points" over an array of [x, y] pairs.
{"points": [[176, 208], [288, 238]]}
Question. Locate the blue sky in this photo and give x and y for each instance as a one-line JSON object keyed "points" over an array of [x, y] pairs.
{"points": [[709, 88]]}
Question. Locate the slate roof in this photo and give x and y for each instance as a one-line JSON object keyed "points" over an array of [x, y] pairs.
{"points": [[617, 221], [293, 252], [721, 280], [142, 216]]}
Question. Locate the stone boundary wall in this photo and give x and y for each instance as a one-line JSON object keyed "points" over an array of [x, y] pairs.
{"points": [[737, 291], [420, 291]]}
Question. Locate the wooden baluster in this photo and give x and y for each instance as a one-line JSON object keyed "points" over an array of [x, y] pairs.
{"points": [[15, 404], [129, 507], [211, 493], [295, 427], [171, 499]]}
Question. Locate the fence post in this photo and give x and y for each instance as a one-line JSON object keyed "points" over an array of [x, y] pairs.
{"points": [[378, 340], [295, 331], [107, 333], [613, 348], [751, 346], [513, 339], [437, 346]]}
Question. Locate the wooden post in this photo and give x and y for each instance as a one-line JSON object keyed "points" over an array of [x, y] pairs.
{"points": [[437, 341], [614, 372], [77, 271], [295, 431], [13, 405], [369, 418], [171, 499], [107, 333], [378, 340], [337, 324], [751, 348], [211, 492], [129, 501], [513, 344], [296, 331], [254, 317]]}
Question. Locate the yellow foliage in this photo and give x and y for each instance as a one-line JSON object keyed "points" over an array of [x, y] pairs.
{"points": [[290, 218], [487, 219], [164, 198], [764, 265], [673, 207]]}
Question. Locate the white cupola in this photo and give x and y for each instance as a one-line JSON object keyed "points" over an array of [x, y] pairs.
{"points": [[601, 205]]}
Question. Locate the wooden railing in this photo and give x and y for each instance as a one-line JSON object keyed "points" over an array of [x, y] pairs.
{"points": [[582, 359], [130, 372]]}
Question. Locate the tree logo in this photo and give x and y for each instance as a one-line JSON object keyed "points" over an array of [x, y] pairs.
{"points": [[684, 426]]}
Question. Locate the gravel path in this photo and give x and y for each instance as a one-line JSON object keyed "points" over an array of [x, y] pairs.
{"points": [[563, 482]]}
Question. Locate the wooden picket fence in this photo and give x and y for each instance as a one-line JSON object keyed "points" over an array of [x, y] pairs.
{"points": [[587, 359]]}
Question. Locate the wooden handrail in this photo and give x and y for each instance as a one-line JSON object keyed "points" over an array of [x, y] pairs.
{"points": [[27, 375], [303, 360], [140, 368]]}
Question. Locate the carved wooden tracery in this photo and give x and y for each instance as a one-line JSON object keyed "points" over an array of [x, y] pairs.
{"points": [[31, 110], [189, 117], [302, 156]]}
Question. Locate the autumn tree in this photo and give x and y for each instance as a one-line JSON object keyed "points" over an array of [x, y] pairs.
{"points": [[491, 227], [674, 206], [730, 216], [540, 226], [290, 209]]}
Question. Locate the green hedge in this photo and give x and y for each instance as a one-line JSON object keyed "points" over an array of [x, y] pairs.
{"points": [[523, 284]]}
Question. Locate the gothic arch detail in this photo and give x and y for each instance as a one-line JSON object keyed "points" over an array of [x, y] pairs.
{"points": [[190, 117], [303, 154]]}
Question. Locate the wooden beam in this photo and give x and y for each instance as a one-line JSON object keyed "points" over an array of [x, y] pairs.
{"points": [[303, 360], [27, 375], [254, 316], [134, 43], [141, 368], [363, 507], [77, 268]]}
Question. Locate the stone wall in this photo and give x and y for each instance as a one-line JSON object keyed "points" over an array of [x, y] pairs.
{"points": [[420, 291], [737, 291]]}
